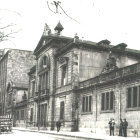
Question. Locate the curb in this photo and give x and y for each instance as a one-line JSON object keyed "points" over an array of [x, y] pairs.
{"points": [[66, 135]]}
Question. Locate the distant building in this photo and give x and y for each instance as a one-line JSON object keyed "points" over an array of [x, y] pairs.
{"points": [[32, 106], [14, 66], [83, 84]]}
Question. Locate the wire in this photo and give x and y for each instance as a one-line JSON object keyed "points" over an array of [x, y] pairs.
{"points": [[58, 4], [67, 14]]}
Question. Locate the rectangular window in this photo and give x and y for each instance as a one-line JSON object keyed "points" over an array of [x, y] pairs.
{"points": [[31, 115], [83, 104], [18, 115], [129, 98], [133, 97], [111, 100], [86, 103], [103, 101], [40, 82], [46, 81], [107, 101], [89, 103], [43, 80], [32, 88], [62, 110], [63, 80], [22, 114]]}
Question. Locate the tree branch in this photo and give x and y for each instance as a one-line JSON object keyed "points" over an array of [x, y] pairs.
{"points": [[10, 11], [3, 37], [12, 24]]}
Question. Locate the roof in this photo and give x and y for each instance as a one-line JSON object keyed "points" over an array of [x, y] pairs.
{"points": [[32, 70], [102, 45], [94, 45], [50, 38], [20, 85], [59, 27]]}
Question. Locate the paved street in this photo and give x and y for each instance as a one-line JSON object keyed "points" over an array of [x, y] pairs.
{"points": [[16, 135], [42, 135]]}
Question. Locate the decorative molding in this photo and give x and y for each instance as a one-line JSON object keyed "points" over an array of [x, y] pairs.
{"points": [[63, 61], [110, 65]]}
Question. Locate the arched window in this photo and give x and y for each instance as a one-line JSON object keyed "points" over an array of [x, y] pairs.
{"points": [[44, 65], [44, 62]]}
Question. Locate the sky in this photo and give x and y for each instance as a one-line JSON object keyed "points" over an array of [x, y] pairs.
{"points": [[115, 20]]}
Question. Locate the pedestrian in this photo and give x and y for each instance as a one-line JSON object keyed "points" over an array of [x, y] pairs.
{"points": [[121, 128], [125, 125], [111, 126], [58, 125]]}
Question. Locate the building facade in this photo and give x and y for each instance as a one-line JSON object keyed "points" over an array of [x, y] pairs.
{"points": [[83, 83], [14, 66]]}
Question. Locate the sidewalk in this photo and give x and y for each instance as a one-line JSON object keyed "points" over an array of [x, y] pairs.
{"points": [[91, 136]]}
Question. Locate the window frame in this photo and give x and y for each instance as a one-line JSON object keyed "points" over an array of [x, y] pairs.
{"points": [[22, 112], [111, 103], [43, 80], [87, 102], [62, 116], [64, 67], [130, 98]]}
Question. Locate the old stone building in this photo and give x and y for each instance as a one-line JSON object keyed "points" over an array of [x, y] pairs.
{"points": [[14, 66], [32, 96], [110, 95], [83, 83]]}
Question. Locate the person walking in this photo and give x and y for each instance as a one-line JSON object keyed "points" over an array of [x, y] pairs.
{"points": [[58, 125], [121, 128], [125, 125], [111, 126]]}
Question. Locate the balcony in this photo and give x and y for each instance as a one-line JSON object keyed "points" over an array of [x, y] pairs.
{"points": [[113, 75], [43, 94]]}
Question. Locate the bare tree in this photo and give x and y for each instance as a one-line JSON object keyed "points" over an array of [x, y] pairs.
{"points": [[7, 30]]}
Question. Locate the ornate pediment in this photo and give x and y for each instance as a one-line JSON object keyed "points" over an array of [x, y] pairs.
{"points": [[110, 65]]}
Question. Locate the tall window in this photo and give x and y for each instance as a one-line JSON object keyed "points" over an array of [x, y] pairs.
{"points": [[44, 62], [62, 110], [18, 115], [43, 81], [43, 72], [32, 88], [43, 114], [31, 115], [63, 80], [107, 101], [22, 114], [86, 103], [133, 97]]}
